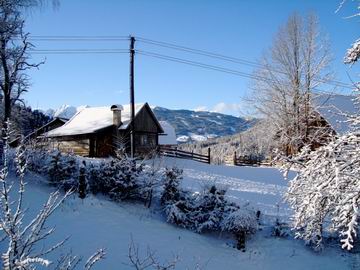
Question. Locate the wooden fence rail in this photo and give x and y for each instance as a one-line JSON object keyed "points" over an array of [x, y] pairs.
{"points": [[174, 152], [248, 161]]}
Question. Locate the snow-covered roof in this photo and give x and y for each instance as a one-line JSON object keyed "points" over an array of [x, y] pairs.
{"points": [[169, 136], [91, 119], [333, 108]]}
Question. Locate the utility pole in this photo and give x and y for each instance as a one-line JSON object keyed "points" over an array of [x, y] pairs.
{"points": [[132, 97]]}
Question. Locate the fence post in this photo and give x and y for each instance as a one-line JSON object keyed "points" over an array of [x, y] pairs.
{"points": [[209, 155]]}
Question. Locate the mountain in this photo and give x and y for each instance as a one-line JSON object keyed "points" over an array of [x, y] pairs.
{"points": [[64, 111], [190, 126], [202, 125]]}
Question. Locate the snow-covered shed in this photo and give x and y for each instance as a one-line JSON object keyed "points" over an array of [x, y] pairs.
{"points": [[99, 131], [328, 117], [167, 138], [334, 108]]}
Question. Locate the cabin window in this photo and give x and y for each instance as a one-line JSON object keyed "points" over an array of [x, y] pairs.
{"points": [[143, 139], [147, 140]]}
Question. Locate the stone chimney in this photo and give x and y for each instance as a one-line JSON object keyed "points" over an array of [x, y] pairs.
{"points": [[116, 109]]}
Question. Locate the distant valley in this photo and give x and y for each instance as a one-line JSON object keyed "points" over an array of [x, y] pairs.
{"points": [[190, 126]]}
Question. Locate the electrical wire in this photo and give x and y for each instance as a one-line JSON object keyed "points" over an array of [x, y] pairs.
{"points": [[206, 66], [218, 56], [78, 38], [78, 51], [231, 59]]}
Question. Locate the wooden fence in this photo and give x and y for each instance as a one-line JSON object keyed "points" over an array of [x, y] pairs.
{"points": [[174, 152], [248, 161]]}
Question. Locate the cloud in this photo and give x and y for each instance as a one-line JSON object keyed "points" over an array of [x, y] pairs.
{"points": [[201, 109], [227, 108]]}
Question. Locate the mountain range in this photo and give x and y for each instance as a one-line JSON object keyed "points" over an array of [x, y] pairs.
{"points": [[189, 125]]}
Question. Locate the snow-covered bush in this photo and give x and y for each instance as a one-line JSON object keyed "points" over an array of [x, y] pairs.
{"points": [[120, 178], [208, 211], [209, 207], [63, 170], [240, 221], [115, 177], [37, 160], [325, 194], [172, 180], [60, 169], [178, 211]]}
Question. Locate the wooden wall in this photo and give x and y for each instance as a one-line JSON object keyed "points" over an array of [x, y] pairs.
{"points": [[144, 122]]}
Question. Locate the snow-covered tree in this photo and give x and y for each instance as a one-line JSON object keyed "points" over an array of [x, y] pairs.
{"points": [[325, 194], [241, 221], [353, 53], [22, 239], [209, 207], [171, 192], [63, 170], [284, 85]]}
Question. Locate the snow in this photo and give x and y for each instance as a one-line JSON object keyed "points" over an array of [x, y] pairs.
{"points": [[262, 187], [183, 139], [96, 222], [212, 136], [91, 119], [353, 54], [334, 107], [67, 111], [169, 137], [198, 138]]}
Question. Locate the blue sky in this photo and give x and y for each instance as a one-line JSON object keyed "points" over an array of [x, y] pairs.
{"points": [[237, 28]]}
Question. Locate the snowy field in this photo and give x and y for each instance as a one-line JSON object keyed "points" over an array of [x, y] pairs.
{"points": [[263, 188], [97, 222]]}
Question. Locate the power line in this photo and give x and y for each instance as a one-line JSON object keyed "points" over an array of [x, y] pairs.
{"points": [[207, 66], [197, 51], [202, 65], [231, 59], [334, 83], [78, 38], [78, 51], [82, 49]]}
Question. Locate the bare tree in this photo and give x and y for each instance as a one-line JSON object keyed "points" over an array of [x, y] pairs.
{"points": [[295, 65], [149, 260], [14, 50]]}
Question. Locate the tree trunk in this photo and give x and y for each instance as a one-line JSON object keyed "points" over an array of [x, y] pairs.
{"points": [[240, 238]]}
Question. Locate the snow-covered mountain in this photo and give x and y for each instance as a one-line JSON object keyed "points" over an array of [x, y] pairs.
{"points": [[64, 111], [202, 125], [189, 125]]}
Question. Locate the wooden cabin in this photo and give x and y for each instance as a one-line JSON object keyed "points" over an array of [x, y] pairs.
{"points": [[53, 124], [100, 131], [327, 119]]}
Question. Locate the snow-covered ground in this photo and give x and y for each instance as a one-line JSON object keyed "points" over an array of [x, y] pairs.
{"points": [[96, 222], [262, 187]]}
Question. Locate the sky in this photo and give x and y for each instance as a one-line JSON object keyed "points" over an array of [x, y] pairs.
{"points": [[237, 28]]}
